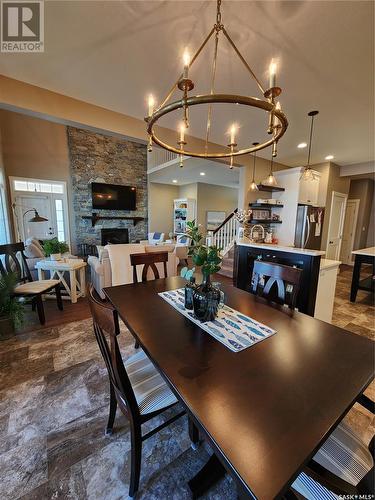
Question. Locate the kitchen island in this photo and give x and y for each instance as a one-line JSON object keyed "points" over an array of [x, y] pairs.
{"points": [[308, 260], [363, 256]]}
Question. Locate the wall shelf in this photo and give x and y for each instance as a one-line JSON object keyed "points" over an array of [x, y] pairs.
{"points": [[264, 221], [96, 218], [269, 189], [264, 205]]}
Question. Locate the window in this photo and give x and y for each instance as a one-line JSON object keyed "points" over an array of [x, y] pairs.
{"points": [[3, 218], [60, 220], [39, 187]]}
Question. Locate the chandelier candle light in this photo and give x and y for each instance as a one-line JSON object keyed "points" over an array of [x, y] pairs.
{"points": [[277, 121], [253, 185]]}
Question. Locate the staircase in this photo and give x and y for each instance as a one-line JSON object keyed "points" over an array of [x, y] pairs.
{"points": [[227, 264], [224, 237]]}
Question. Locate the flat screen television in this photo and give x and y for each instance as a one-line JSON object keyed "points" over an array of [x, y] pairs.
{"points": [[113, 196]]}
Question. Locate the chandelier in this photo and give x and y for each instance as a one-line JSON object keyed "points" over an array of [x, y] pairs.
{"points": [[277, 121]]}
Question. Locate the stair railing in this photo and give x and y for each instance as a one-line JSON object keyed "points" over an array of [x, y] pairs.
{"points": [[225, 235]]}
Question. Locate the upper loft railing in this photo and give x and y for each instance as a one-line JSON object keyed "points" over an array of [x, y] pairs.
{"points": [[159, 156]]}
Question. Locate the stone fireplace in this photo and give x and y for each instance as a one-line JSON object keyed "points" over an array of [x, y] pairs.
{"points": [[115, 235], [97, 157]]}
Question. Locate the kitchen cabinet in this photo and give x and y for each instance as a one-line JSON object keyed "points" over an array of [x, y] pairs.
{"points": [[308, 192], [325, 295], [296, 192]]}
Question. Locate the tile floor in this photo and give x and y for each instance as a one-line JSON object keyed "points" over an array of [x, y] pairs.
{"points": [[53, 409]]}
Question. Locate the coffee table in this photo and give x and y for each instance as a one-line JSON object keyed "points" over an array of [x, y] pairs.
{"points": [[59, 268]]}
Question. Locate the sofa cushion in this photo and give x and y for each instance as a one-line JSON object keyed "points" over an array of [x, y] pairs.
{"points": [[33, 251], [159, 248]]}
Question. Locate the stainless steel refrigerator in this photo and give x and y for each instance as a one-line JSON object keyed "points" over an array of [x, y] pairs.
{"points": [[309, 227]]}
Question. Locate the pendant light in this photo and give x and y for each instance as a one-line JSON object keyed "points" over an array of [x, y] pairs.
{"points": [[308, 174], [271, 179], [253, 185]]}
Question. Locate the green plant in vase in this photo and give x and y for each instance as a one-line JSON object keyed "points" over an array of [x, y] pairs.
{"points": [[54, 248], [11, 310], [206, 298]]}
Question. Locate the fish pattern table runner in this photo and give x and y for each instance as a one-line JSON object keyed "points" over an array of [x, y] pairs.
{"points": [[232, 328]]}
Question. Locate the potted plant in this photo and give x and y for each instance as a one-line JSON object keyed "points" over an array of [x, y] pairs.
{"points": [[53, 248], [11, 310], [206, 297]]}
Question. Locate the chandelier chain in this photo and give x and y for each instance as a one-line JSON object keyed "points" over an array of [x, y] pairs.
{"points": [[213, 76], [218, 15], [311, 135]]}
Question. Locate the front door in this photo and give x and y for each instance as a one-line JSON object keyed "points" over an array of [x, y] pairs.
{"points": [[350, 226], [336, 223], [50, 200], [38, 230]]}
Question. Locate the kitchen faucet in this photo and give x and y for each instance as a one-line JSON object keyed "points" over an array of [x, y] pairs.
{"points": [[252, 230]]}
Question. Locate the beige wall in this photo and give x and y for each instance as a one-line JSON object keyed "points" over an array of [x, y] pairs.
{"points": [[35, 148], [160, 207], [207, 196], [363, 190], [189, 191], [246, 176], [334, 183], [212, 197]]}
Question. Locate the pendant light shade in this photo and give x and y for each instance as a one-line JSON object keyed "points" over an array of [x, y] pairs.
{"points": [[271, 179], [308, 174], [253, 185]]}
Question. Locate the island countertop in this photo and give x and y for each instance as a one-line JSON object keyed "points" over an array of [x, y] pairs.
{"points": [[265, 246], [370, 252]]}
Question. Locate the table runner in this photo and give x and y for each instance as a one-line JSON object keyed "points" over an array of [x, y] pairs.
{"points": [[232, 328]]}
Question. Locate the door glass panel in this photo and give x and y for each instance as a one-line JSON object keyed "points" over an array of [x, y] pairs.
{"points": [[60, 220]]}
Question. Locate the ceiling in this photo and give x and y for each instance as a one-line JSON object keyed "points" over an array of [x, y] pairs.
{"points": [[113, 53], [215, 173]]}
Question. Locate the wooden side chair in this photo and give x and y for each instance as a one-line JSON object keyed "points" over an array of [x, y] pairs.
{"points": [[343, 467], [135, 385], [149, 261], [276, 282], [13, 260]]}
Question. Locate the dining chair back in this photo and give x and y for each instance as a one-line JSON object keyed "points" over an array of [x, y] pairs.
{"points": [[276, 282], [13, 260], [149, 261], [135, 385], [106, 329]]}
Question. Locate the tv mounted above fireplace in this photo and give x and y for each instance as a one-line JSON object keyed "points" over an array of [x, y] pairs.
{"points": [[113, 196]]}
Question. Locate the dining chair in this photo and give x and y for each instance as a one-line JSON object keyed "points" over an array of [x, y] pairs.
{"points": [[13, 260], [136, 387], [149, 261], [276, 282], [343, 467]]}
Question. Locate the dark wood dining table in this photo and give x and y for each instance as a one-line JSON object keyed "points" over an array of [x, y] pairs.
{"points": [[267, 409]]}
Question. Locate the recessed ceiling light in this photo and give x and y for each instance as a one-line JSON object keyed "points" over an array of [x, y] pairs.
{"points": [[302, 145], [175, 181], [202, 173], [329, 157]]}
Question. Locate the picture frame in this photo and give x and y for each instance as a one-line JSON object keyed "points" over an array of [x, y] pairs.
{"points": [[214, 218]]}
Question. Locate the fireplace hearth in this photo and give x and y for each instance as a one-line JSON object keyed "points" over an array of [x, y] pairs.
{"points": [[115, 236]]}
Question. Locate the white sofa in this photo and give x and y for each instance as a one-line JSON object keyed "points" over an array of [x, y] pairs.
{"points": [[112, 266]]}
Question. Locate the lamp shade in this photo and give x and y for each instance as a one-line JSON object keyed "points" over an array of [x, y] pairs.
{"points": [[37, 218]]}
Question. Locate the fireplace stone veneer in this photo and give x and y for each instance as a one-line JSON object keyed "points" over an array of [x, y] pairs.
{"points": [[103, 158]]}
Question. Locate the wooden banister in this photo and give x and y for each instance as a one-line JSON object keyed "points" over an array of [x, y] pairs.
{"points": [[228, 218]]}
